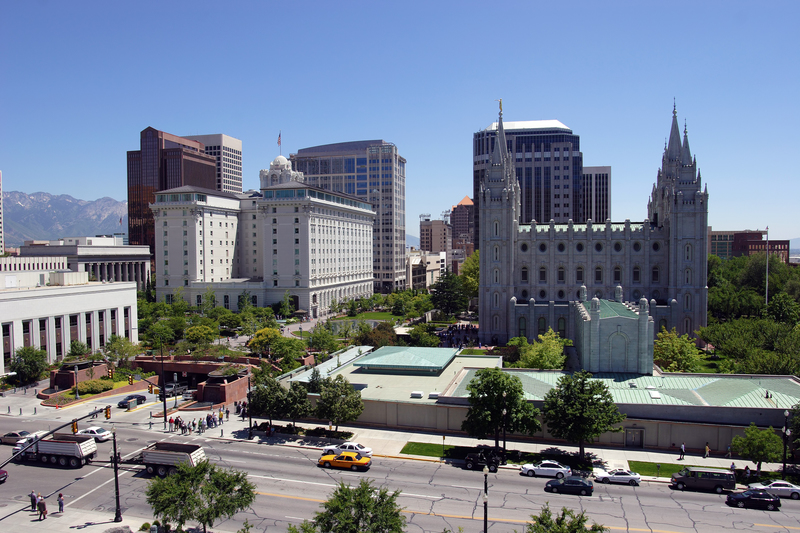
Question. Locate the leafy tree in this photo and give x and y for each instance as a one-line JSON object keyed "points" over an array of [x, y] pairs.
{"points": [[566, 522], [315, 381], [448, 294], [29, 363], [490, 392], [470, 274], [288, 351], [548, 353], [204, 493], [286, 308], [243, 302], [323, 339], [77, 349], [201, 336], [297, 404], [758, 446], [755, 346], [675, 353], [352, 308], [268, 397], [338, 401], [363, 509], [335, 306], [422, 335], [160, 332], [381, 335], [580, 409], [230, 321], [179, 306], [120, 349], [783, 308], [208, 302], [263, 340]]}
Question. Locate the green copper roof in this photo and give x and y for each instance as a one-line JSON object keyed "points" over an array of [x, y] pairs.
{"points": [[610, 309], [408, 359]]}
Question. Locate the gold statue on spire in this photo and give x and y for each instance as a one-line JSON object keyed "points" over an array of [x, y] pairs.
{"points": [[501, 104]]}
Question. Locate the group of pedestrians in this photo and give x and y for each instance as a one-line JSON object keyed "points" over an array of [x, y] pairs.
{"points": [[38, 503], [459, 335], [706, 451], [211, 420]]}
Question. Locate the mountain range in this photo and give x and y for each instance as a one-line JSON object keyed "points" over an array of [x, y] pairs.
{"points": [[44, 216]]}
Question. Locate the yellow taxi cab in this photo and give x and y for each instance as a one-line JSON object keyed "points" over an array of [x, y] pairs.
{"points": [[351, 460]]}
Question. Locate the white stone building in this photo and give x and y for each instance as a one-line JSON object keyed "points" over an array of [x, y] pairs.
{"points": [[290, 237]]}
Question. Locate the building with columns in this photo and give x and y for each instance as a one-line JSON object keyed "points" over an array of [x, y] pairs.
{"points": [[44, 305], [103, 257], [530, 274]]}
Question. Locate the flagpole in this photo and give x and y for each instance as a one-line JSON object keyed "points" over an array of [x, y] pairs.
{"points": [[280, 148], [766, 291]]}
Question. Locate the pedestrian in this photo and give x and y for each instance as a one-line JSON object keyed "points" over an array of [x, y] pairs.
{"points": [[746, 473], [60, 503], [41, 506], [227, 414], [33, 500], [733, 468], [708, 451], [171, 422], [728, 455], [683, 451]]}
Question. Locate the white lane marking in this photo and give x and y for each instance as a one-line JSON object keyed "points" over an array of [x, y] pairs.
{"points": [[332, 485], [94, 489]]}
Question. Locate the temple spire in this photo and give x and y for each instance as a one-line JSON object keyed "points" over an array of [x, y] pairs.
{"points": [[686, 155], [499, 152], [674, 145]]}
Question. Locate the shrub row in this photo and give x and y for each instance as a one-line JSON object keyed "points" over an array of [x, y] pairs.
{"points": [[95, 386]]}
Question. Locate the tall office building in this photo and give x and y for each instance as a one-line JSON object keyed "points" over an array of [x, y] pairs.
{"points": [[596, 193], [435, 235], [462, 219], [164, 161], [228, 152], [373, 171], [2, 236]]}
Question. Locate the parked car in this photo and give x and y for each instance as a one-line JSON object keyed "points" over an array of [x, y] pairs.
{"points": [[3, 476], [13, 437], [756, 499], [547, 468], [484, 457], [618, 475], [570, 485], [347, 447], [351, 460], [784, 489], [173, 389], [700, 478], [99, 434], [140, 399]]}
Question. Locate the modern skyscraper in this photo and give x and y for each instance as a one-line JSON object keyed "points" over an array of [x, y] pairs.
{"points": [[548, 165], [228, 152], [596, 193], [462, 219], [375, 172], [164, 161], [2, 236], [435, 235]]}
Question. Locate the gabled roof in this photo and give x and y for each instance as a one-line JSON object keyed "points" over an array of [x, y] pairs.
{"points": [[466, 201]]}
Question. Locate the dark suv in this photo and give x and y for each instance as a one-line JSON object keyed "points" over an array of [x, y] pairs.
{"points": [[140, 399], [484, 457], [173, 389]]}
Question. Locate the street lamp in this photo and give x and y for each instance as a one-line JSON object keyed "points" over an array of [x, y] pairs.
{"points": [[249, 410], [163, 380], [115, 460], [77, 394], [786, 434], [504, 427], [485, 499]]}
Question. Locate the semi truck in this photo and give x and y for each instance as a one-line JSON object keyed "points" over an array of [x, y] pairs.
{"points": [[163, 458], [62, 449]]}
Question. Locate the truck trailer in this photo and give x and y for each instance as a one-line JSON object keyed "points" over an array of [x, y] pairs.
{"points": [[62, 449], [163, 458]]}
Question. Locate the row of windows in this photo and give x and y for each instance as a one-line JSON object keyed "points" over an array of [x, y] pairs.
{"points": [[598, 246], [598, 275]]}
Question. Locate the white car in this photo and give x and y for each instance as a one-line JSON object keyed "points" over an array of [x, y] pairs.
{"points": [[547, 468], [783, 489], [347, 447], [99, 434], [618, 475]]}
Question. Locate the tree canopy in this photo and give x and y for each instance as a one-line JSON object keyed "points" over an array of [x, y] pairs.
{"points": [[491, 392], [360, 509], [338, 401], [29, 363], [202, 493], [548, 353], [675, 353], [566, 522], [470, 274], [758, 445], [579, 409], [120, 349], [448, 294]]}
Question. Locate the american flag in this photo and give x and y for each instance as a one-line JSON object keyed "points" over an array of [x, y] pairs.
{"points": [[279, 138]]}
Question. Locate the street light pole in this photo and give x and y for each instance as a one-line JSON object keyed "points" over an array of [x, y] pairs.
{"points": [[786, 434], [115, 459], [163, 381], [485, 499], [249, 410], [77, 394]]}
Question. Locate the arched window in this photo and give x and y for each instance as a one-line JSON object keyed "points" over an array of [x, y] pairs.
{"points": [[496, 229], [655, 275], [617, 275], [687, 325], [522, 328], [562, 275], [662, 324], [688, 276], [496, 276], [542, 325], [496, 299], [542, 275], [495, 322], [524, 274], [579, 275], [637, 275], [687, 302], [598, 275], [497, 253], [688, 252], [562, 327], [524, 295]]}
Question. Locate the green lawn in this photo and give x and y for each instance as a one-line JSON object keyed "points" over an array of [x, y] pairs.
{"points": [[372, 315], [650, 469]]}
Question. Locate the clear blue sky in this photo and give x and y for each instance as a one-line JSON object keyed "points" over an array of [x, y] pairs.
{"points": [[80, 80]]}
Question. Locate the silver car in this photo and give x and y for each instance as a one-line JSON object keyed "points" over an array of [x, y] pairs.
{"points": [[347, 447], [547, 468], [783, 489], [618, 475]]}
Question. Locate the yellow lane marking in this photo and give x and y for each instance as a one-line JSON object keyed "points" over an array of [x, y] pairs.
{"points": [[777, 527], [511, 520]]}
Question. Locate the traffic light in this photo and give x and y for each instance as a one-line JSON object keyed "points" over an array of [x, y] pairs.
{"points": [[108, 412], [110, 372], [74, 426], [150, 388], [130, 380]]}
